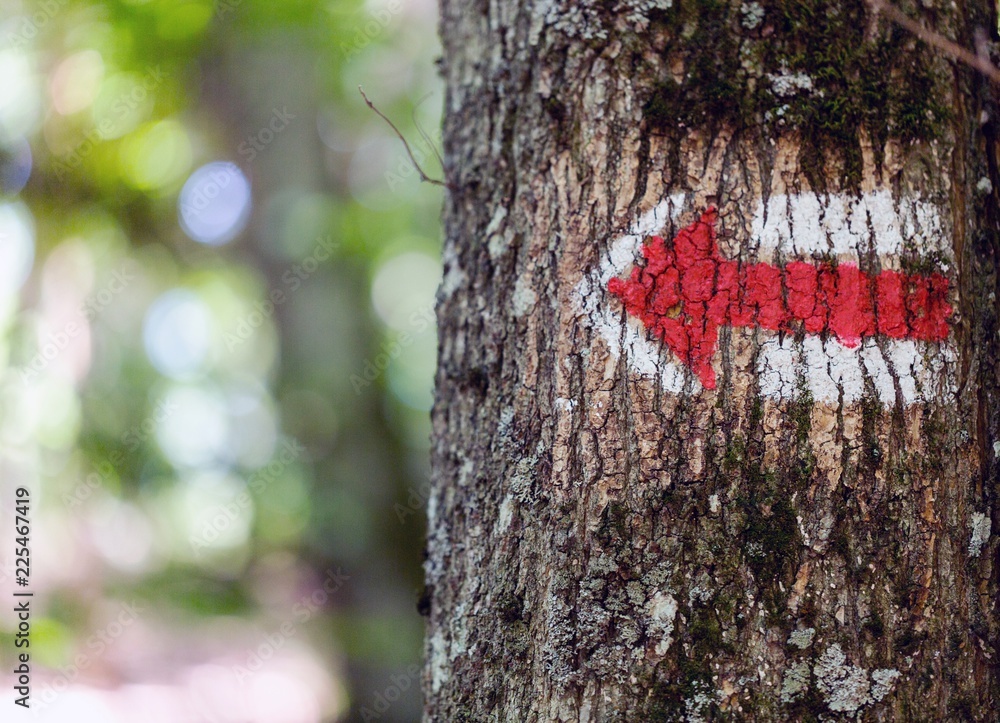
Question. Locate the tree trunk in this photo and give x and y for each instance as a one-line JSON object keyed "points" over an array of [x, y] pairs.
{"points": [[754, 477]]}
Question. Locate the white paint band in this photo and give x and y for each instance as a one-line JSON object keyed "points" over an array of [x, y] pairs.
{"points": [[847, 226]]}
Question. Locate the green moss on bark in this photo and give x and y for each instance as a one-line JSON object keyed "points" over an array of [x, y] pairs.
{"points": [[805, 66]]}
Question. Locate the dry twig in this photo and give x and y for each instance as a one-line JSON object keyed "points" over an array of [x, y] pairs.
{"points": [[979, 61], [423, 176]]}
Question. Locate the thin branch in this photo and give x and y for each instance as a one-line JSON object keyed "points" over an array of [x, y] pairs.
{"points": [[950, 47], [423, 176], [423, 133]]}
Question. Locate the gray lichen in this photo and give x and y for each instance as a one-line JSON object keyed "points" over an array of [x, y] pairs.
{"points": [[795, 682], [844, 687], [981, 527], [524, 298], [883, 679], [802, 639], [753, 14], [697, 706], [662, 611], [786, 83]]}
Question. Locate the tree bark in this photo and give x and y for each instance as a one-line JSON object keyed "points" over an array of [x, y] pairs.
{"points": [[799, 530]]}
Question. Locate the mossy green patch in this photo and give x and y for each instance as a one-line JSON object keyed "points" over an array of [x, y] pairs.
{"points": [[770, 534], [808, 66], [770, 539], [510, 607], [706, 633], [615, 522], [672, 688], [801, 413], [871, 422], [735, 454], [804, 465], [874, 626]]}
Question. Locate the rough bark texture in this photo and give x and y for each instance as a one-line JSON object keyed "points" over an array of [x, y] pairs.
{"points": [[607, 544]]}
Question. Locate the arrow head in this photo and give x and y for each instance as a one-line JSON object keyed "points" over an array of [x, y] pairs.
{"points": [[678, 295]]}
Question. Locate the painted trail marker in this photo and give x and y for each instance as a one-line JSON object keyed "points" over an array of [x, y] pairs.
{"points": [[899, 357], [686, 291]]}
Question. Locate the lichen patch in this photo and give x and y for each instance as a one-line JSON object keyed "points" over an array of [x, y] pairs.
{"points": [[981, 527], [802, 639], [662, 611]]}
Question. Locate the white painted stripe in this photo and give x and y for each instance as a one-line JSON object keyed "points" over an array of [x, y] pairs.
{"points": [[625, 250], [828, 368], [847, 227], [795, 226], [644, 356]]}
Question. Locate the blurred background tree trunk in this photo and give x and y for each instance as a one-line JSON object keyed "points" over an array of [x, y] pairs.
{"points": [[611, 539]]}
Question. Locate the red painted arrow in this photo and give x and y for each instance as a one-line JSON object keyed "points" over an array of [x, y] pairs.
{"points": [[685, 293]]}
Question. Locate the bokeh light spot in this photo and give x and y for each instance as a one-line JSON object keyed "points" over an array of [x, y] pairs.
{"points": [[177, 333], [17, 247], [404, 285], [214, 203], [411, 375], [193, 431], [20, 99], [156, 156], [254, 430], [122, 534], [215, 512], [180, 20], [76, 82], [123, 101], [15, 166]]}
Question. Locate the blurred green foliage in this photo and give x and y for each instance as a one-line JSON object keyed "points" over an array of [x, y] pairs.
{"points": [[217, 389]]}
